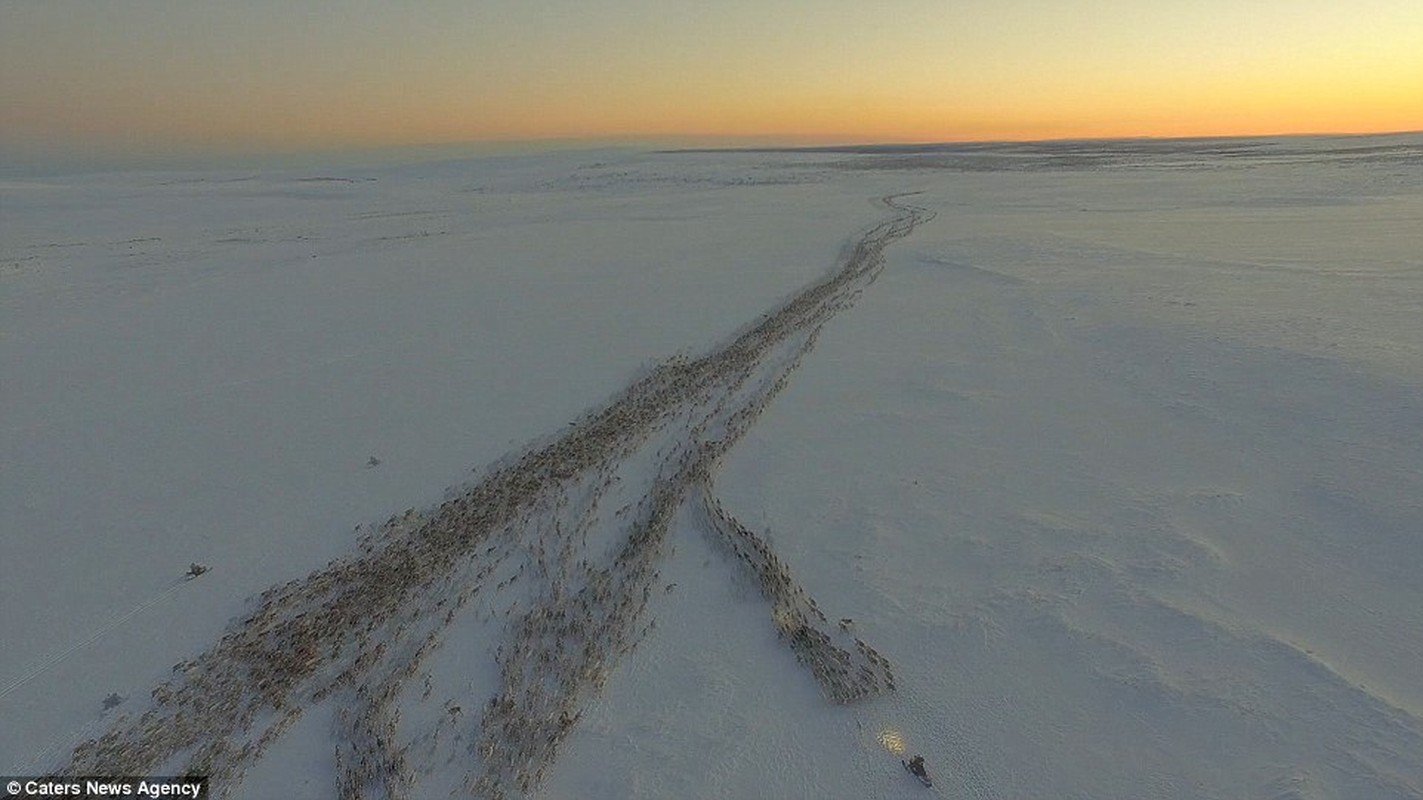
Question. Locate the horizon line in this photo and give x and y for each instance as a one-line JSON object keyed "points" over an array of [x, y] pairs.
{"points": [[858, 145], [190, 159]]}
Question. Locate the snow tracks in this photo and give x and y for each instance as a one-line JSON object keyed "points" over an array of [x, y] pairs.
{"points": [[530, 546]]}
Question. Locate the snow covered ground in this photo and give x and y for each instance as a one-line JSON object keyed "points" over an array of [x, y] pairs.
{"points": [[1118, 461]]}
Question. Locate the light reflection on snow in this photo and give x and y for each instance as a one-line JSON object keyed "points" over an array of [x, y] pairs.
{"points": [[892, 740]]}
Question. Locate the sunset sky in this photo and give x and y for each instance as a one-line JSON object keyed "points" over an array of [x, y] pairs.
{"points": [[149, 76]]}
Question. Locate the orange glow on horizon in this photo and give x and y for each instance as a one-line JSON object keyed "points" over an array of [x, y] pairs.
{"points": [[237, 79]]}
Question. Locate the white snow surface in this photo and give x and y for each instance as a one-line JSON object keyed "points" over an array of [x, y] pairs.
{"points": [[1119, 461]]}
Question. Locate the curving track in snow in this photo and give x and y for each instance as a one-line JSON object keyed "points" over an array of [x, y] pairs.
{"points": [[532, 549]]}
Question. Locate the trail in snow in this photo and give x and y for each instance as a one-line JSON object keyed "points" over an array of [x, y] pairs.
{"points": [[531, 548], [103, 630]]}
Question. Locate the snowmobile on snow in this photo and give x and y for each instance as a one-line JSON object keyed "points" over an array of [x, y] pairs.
{"points": [[916, 768]]}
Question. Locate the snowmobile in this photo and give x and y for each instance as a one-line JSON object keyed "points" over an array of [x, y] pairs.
{"points": [[916, 768]]}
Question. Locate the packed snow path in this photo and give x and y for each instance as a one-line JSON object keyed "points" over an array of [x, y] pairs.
{"points": [[529, 548]]}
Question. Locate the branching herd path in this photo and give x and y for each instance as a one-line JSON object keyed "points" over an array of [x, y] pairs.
{"points": [[530, 548]]}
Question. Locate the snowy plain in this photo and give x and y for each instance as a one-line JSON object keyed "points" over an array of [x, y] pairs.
{"points": [[1119, 461]]}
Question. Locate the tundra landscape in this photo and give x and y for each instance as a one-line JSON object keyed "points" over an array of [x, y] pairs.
{"points": [[1083, 469]]}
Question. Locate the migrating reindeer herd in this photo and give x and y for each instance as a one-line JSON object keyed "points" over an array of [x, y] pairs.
{"points": [[574, 583]]}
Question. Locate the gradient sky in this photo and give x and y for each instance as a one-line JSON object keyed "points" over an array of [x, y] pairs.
{"points": [[276, 75]]}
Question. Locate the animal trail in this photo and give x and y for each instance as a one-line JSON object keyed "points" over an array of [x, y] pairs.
{"points": [[532, 537]]}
